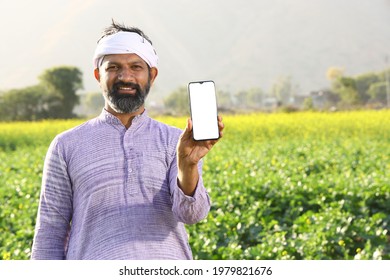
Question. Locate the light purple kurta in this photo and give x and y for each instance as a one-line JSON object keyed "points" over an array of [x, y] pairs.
{"points": [[111, 193]]}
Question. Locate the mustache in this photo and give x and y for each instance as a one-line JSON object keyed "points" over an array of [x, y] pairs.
{"points": [[117, 85]]}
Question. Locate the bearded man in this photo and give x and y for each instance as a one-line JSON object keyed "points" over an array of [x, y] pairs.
{"points": [[122, 185]]}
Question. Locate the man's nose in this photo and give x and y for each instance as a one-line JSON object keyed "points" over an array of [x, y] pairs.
{"points": [[126, 75]]}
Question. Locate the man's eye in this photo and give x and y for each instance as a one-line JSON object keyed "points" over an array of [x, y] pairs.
{"points": [[112, 68]]}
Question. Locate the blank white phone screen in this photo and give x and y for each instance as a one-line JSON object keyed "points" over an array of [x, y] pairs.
{"points": [[203, 104]]}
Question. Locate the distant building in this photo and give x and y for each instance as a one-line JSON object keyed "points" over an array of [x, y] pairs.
{"points": [[323, 99], [298, 100], [318, 98], [270, 103]]}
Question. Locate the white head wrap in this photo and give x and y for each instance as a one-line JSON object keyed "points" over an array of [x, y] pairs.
{"points": [[125, 42]]}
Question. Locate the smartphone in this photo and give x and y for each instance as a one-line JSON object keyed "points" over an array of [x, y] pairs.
{"points": [[203, 108]]}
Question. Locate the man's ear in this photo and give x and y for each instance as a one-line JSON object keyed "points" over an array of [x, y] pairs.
{"points": [[97, 74], [153, 74]]}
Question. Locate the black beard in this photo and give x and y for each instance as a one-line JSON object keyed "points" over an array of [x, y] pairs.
{"points": [[127, 103]]}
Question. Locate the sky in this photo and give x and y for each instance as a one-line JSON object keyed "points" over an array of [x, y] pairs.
{"points": [[239, 44]]}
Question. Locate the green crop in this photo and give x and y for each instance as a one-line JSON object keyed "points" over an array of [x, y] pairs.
{"points": [[283, 186]]}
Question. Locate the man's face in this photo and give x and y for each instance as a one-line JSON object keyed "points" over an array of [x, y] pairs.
{"points": [[125, 80]]}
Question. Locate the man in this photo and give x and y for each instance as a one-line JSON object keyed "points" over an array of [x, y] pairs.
{"points": [[122, 185]]}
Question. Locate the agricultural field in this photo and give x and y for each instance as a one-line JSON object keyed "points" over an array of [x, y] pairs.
{"points": [[283, 186]]}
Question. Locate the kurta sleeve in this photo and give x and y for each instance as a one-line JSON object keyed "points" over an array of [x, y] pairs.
{"points": [[188, 209], [55, 207]]}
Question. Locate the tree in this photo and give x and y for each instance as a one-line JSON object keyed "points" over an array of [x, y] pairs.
{"points": [[241, 98], [334, 73], [378, 93], [224, 99], [361, 89], [63, 82], [255, 98], [94, 103], [363, 84], [54, 97], [177, 102], [346, 88], [30, 103], [284, 90], [250, 99], [308, 103]]}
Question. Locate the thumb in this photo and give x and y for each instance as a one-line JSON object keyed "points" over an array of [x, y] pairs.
{"points": [[187, 132], [189, 125]]}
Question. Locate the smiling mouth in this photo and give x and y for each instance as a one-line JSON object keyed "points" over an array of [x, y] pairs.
{"points": [[127, 90]]}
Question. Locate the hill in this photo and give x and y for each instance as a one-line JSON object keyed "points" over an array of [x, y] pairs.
{"points": [[239, 44]]}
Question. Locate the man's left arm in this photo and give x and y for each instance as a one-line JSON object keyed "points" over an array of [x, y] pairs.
{"points": [[189, 153], [189, 180]]}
